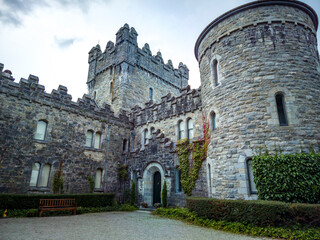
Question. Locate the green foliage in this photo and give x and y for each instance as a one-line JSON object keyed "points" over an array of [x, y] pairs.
{"points": [[31, 201], [288, 178], [133, 193], [164, 195], [57, 184], [259, 213], [293, 232], [91, 183], [190, 168], [123, 172]]}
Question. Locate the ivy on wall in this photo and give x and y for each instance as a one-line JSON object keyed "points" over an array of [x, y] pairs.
{"points": [[191, 155]]}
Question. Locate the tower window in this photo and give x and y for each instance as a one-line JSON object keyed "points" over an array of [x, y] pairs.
{"points": [[283, 121], [150, 94], [215, 72], [252, 185], [89, 138], [145, 136], [190, 129], [213, 121], [209, 178], [125, 145], [97, 140]]}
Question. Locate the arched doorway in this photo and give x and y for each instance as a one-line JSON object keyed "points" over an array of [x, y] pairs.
{"points": [[156, 187]]}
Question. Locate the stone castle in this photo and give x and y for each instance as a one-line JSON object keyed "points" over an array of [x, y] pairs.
{"points": [[260, 87]]}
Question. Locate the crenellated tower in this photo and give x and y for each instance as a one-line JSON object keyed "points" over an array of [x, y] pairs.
{"points": [[125, 75]]}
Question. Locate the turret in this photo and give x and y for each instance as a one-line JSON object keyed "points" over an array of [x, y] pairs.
{"points": [[184, 71]]}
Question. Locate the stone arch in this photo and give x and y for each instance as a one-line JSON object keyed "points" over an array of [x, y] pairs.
{"points": [[148, 173]]}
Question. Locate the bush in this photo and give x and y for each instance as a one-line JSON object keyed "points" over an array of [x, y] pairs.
{"points": [[294, 232], [259, 213], [297, 177], [164, 195], [31, 201]]}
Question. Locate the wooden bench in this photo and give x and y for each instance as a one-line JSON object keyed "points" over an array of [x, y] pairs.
{"points": [[57, 205]]}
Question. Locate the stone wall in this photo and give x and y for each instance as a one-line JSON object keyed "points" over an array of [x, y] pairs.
{"points": [[23, 104], [261, 51]]}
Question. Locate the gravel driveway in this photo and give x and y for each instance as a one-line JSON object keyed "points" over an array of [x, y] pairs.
{"points": [[108, 225]]}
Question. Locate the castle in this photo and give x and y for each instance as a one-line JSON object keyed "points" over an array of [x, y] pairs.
{"points": [[259, 68]]}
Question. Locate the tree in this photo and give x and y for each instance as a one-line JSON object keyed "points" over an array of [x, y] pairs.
{"points": [[133, 193], [164, 195]]}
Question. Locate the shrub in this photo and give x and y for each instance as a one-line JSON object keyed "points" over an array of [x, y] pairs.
{"points": [[133, 193], [297, 177], [294, 232], [259, 213], [164, 194], [31, 201]]}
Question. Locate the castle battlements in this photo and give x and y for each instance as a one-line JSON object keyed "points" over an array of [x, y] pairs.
{"points": [[30, 90], [189, 100], [126, 50]]}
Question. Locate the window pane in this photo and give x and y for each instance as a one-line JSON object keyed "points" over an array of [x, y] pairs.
{"points": [[181, 130], [45, 175], [89, 139], [190, 129], [145, 136], [97, 182], [213, 119], [34, 174], [41, 130], [253, 188], [281, 110], [215, 72], [97, 140], [150, 94]]}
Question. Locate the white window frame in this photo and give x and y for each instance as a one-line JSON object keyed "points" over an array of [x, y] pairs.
{"points": [[41, 133]]}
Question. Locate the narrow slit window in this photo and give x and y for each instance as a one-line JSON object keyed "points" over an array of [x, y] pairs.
{"points": [[125, 145], [215, 72], [283, 121], [252, 185], [209, 178], [145, 136], [178, 180], [150, 94], [190, 129], [213, 121]]}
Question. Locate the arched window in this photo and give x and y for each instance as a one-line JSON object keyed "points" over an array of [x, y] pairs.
{"points": [[145, 136], [94, 95], [215, 72], [41, 130], [89, 137], [252, 185], [283, 121], [97, 182], [190, 129], [151, 131], [34, 174], [44, 177], [150, 94], [97, 140], [125, 145], [213, 121], [180, 130]]}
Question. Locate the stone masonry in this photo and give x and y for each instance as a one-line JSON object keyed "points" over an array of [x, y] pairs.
{"points": [[141, 107]]}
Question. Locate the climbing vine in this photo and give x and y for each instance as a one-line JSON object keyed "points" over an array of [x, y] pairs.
{"points": [[191, 155]]}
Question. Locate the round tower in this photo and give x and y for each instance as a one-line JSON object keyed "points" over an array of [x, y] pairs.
{"points": [[260, 86]]}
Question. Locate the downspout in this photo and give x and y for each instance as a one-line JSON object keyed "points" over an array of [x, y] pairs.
{"points": [[105, 172]]}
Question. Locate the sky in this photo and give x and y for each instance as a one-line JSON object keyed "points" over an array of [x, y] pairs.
{"points": [[51, 38]]}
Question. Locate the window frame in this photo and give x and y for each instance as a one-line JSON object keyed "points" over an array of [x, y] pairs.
{"points": [[91, 142], [281, 109], [251, 190], [40, 176], [190, 129], [145, 136], [215, 72], [95, 180], [213, 117], [180, 130], [94, 142], [150, 94], [45, 130]]}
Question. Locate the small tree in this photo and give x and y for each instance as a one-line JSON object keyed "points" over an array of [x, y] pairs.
{"points": [[133, 193], [91, 183], [164, 195]]}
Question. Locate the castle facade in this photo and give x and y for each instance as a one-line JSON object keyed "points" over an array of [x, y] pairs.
{"points": [[260, 87]]}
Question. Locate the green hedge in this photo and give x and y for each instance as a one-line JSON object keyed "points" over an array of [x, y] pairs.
{"points": [[31, 201], [288, 178], [259, 213]]}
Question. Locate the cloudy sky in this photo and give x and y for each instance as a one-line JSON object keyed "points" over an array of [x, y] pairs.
{"points": [[51, 38]]}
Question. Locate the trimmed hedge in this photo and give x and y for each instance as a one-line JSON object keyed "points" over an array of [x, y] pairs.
{"points": [[288, 178], [31, 201], [259, 213]]}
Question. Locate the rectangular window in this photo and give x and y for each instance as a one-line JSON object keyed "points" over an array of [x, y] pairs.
{"points": [[89, 138], [252, 185], [44, 178], [97, 182], [34, 174], [41, 130], [97, 139], [178, 180]]}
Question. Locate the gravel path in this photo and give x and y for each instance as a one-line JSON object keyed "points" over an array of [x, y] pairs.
{"points": [[109, 225]]}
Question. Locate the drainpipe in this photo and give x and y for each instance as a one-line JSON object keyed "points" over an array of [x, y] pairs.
{"points": [[105, 172]]}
